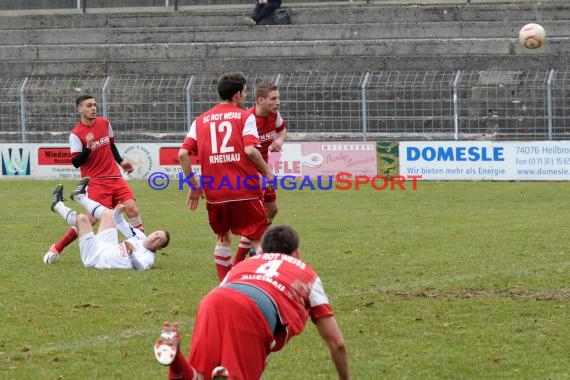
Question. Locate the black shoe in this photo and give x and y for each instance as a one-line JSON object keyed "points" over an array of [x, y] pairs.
{"points": [[81, 188], [57, 196]]}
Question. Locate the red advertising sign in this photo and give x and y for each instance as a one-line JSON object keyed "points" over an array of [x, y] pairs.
{"points": [[54, 156], [169, 156]]}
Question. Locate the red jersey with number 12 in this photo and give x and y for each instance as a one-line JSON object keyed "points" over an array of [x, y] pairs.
{"points": [[101, 162], [218, 137]]}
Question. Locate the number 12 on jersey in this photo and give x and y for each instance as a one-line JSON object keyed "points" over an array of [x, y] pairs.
{"points": [[226, 128]]}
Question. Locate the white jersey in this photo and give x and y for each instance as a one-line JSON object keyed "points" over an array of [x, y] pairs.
{"points": [[103, 251]]}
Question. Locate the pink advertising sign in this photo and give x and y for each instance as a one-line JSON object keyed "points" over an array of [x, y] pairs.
{"points": [[315, 159]]}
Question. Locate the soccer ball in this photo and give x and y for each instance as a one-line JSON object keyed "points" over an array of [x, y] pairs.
{"points": [[532, 36]]}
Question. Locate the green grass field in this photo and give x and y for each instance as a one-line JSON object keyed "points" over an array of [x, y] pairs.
{"points": [[457, 280]]}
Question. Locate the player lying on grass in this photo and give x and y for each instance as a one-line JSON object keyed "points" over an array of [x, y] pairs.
{"points": [[103, 250]]}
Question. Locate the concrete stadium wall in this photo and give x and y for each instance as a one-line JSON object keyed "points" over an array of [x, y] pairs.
{"points": [[324, 36]]}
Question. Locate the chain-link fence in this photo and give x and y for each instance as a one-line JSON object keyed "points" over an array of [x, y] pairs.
{"points": [[394, 105]]}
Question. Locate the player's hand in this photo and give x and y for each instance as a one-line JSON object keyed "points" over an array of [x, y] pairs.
{"points": [[276, 146], [119, 208], [269, 178], [130, 248], [194, 198], [127, 166]]}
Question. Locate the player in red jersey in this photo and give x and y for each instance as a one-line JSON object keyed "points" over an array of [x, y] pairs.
{"points": [[93, 151], [261, 304], [224, 139], [271, 128]]}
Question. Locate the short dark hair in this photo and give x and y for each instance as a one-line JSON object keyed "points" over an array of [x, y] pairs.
{"points": [[263, 89], [280, 239], [231, 83], [167, 235], [81, 99]]}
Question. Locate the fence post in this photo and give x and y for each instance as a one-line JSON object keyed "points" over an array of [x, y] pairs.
{"points": [[549, 101], [363, 88], [104, 92], [23, 109], [456, 105], [189, 102], [278, 79]]}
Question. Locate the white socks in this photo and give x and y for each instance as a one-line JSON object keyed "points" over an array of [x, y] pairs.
{"points": [[223, 256], [94, 208], [68, 214]]}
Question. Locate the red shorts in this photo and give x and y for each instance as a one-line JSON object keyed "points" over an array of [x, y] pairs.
{"points": [[109, 191], [269, 195], [243, 218], [231, 331]]}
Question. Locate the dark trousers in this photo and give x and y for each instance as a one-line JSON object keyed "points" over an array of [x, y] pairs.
{"points": [[262, 11]]}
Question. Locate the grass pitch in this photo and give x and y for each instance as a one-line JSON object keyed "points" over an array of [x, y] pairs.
{"points": [[457, 280]]}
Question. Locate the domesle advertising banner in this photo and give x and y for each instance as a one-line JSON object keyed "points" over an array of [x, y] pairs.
{"points": [[486, 160]]}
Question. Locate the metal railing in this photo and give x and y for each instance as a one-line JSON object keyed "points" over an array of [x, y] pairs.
{"points": [[379, 106]]}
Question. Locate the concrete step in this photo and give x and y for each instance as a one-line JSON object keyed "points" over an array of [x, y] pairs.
{"points": [[339, 13], [282, 49], [294, 63], [395, 31]]}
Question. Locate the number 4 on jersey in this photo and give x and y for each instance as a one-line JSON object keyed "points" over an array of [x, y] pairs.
{"points": [[269, 269]]}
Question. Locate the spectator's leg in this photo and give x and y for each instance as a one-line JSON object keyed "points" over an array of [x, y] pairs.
{"points": [[263, 11]]}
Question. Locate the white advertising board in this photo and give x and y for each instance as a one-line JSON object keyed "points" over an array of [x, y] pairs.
{"points": [[486, 160]]}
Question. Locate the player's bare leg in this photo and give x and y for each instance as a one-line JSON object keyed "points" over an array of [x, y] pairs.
{"points": [[84, 226], [133, 215], [223, 255], [106, 220]]}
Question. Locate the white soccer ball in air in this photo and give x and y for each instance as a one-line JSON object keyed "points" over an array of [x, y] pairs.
{"points": [[532, 36]]}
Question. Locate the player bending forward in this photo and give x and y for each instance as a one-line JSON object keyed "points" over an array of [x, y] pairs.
{"points": [[103, 250], [260, 305]]}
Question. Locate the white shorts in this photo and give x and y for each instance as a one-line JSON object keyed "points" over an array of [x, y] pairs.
{"points": [[92, 247]]}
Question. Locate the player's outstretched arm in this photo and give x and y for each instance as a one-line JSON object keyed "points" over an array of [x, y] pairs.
{"points": [[330, 332], [193, 195], [121, 223]]}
